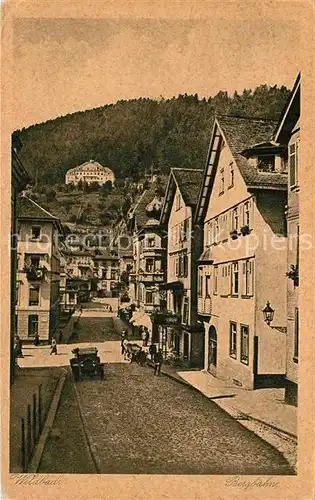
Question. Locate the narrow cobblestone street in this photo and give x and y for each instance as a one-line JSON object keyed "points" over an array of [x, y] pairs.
{"points": [[139, 423]]}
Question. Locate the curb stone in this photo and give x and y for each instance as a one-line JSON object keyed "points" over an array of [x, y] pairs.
{"points": [[34, 464]]}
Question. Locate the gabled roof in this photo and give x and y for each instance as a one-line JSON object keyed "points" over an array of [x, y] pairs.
{"points": [[27, 209], [241, 134], [139, 211], [188, 181], [290, 114]]}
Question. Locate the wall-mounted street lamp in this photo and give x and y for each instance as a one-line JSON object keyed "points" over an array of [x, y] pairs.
{"points": [[268, 313]]}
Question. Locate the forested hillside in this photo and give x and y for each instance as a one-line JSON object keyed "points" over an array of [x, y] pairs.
{"points": [[130, 136]]}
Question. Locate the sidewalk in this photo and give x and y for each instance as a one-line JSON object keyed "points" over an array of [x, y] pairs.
{"points": [[27, 382], [264, 405]]}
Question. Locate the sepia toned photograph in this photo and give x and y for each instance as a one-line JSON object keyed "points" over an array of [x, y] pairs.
{"points": [[155, 244]]}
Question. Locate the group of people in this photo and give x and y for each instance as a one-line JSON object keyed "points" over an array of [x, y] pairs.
{"points": [[135, 353], [18, 346]]}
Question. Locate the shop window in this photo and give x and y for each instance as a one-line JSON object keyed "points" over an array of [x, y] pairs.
{"points": [[233, 339], [244, 344]]}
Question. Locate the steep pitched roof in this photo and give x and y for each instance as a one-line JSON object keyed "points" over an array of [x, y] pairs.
{"points": [[29, 209], [241, 134], [189, 182]]}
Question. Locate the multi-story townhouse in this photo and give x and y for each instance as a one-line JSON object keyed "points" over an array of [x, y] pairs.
{"points": [[80, 272], [241, 208], [149, 249], [19, 181], [38, 304], [151, 265], [183, 248], [288, 135], [106, 271]]}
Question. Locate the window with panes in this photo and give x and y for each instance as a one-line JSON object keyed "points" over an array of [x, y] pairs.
{"points": [[294, 163], [231, 181], [248, 277], [208, 285], [235, 278], [244, 344], [215, 279], [32, 325], [222, 181], [34, 295], [233, 339]]}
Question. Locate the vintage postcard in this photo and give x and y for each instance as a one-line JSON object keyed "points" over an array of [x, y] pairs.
{"points": [[157, 284]]}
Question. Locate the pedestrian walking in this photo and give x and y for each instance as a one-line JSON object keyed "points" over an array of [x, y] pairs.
{"points": [[152, 351], [158, 361], [18, 347], [53, 347], [126, 352], [142, 357]]}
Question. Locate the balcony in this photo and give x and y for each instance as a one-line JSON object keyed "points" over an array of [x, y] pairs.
{"points": [[35, 273], [204, 306], [154, 277]]}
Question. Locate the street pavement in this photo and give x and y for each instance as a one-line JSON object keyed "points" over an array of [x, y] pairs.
{"points": [[139, 423]]}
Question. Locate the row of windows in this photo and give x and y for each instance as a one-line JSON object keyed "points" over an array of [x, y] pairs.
{"points": [[219, 229], [244, 342], [229, 182], [180, 232], [179, 265], [234, 279], [152, 265]]}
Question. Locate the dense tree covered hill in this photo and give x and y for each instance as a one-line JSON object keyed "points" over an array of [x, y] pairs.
{"points": [[131, 135]]}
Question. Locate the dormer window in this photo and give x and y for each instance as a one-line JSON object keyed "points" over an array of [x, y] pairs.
{"points": [[266, 163]]}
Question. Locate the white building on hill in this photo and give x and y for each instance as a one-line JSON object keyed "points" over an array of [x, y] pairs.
{"points": [[90, 171]]}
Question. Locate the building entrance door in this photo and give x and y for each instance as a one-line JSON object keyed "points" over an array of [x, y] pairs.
{"points": [[186, 345], [212, 350]]}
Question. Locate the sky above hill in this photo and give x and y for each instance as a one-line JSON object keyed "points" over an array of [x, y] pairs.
{"points": [[67, 64]]}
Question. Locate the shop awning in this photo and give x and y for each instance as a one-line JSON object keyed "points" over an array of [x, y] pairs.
{"points": [[174, 285], [140, 318]]}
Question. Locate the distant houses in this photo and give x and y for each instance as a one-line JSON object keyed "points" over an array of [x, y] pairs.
{"points": [[90, 171]]}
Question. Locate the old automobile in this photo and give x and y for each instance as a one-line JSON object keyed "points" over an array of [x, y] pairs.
{"points": [[86, 362]]}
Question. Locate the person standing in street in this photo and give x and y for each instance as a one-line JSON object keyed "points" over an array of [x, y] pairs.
{"points": [[53, 347], [152, 351], [158, 361]]}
